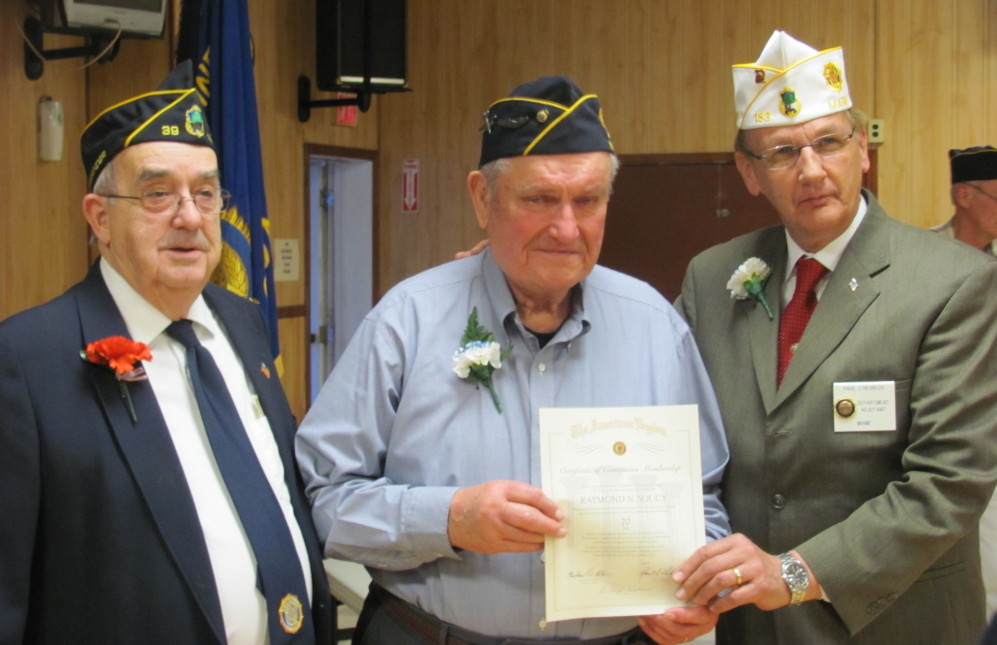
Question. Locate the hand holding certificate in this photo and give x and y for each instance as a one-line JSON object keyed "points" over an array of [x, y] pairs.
{"points": [[629, 482]]}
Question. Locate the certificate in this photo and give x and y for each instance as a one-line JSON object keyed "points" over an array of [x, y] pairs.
{"points": [[630, 485]]}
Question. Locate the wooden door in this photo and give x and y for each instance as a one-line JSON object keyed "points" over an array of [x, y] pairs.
{"points": [[667, 208]]}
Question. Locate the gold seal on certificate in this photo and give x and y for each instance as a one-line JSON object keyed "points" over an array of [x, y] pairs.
{"points": [[629, 482]]}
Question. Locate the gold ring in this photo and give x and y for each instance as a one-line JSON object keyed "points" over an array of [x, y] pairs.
{"points": [[737, 575]]}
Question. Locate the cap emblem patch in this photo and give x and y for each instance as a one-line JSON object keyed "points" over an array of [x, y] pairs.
{"points": [[194, 121], [789, 105], [832, 75]]}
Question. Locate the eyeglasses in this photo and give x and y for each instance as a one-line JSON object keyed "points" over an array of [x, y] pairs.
{"points": [[827, 146], [993, 197], [161, 202]]}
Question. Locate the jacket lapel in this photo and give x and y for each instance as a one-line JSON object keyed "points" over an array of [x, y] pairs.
{"points": [[764, 332], [147, 448], [254, 351], [849, 292]]}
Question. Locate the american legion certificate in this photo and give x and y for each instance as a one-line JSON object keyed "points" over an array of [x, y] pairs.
{"points": [[629, 482]]}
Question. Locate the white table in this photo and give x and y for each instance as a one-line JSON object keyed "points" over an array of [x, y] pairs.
{"points": [[348, 583]]}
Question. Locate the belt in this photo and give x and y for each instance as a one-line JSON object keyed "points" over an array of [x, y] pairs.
{"points": [[434, 631]]}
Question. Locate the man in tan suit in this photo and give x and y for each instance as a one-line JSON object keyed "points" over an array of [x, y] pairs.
{"points": [[864, 450]]}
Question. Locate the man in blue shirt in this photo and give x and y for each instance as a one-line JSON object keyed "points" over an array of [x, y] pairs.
{"points": [[425, 466]]}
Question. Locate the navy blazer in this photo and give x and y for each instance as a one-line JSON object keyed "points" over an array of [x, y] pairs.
{"points": [[100, 538]]}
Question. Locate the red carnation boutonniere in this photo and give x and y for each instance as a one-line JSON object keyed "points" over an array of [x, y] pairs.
{"points": [[121, 355]]}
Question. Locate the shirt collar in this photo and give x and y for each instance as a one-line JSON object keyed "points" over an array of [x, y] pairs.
{"points": [[497, 289], [143, 320], [831, 254]]}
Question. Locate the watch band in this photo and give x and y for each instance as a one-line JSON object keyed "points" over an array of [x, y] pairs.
{"points": [[795, 575]]}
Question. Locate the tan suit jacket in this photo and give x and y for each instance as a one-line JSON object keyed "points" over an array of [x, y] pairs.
{"points": [[886, 520]]}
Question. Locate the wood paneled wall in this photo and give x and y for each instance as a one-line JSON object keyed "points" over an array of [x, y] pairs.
{"points": [[661, 68], [936, 88], [43, 238]]}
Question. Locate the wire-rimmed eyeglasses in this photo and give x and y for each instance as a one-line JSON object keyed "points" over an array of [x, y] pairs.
{"points": [[827, 146], [161, 202]]}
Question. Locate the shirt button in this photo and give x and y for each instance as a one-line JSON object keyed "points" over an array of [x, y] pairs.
{"points": [[542, 367], [778, 501]]}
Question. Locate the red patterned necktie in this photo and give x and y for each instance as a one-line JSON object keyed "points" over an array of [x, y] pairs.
{"points": [[797, 313]]}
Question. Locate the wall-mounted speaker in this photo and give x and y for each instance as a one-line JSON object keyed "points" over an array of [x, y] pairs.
{"points": [[360, 45]]}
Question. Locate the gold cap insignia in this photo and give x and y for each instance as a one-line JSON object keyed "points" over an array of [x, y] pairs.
{"points": [[833, 77]]}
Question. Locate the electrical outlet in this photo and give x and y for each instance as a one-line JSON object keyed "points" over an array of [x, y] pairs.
{"points": [[877, 131]]}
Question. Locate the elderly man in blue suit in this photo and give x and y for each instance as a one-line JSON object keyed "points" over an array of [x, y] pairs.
{"points": [[146, 498]]}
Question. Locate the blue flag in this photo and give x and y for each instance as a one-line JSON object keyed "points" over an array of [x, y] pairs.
{"points": [[215, 35]]}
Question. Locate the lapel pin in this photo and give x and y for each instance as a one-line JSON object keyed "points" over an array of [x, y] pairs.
{"points": [[264, 370], [853, 284]]}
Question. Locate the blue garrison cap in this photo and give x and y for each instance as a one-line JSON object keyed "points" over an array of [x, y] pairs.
{"points": [[548, 116], [973, 164]]}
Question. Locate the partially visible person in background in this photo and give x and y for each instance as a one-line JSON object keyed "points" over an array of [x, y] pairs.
{"points": [[974, 195]]}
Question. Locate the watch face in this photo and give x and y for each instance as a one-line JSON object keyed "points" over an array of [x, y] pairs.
{"points": [[795, 575]]}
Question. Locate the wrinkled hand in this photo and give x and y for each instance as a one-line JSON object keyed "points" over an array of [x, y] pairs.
{"points": [[474, 250], [710, 570], [678, 624], [503, 517]]}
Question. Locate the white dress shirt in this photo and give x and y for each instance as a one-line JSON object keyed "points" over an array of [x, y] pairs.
{"points": [[231, 555], [829, 256]]}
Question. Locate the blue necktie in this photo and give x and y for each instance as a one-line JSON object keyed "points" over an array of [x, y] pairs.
{"points": [[280, 578]]}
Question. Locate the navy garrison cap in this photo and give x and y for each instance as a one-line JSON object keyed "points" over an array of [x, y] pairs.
{"points": [[973, 164], [172, 112], [548, 116]]}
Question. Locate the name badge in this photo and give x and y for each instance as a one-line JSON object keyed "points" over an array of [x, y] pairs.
{"points": [[865, 407]]}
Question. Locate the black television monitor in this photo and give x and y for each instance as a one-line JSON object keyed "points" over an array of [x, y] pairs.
{"points": [[134, 18]]}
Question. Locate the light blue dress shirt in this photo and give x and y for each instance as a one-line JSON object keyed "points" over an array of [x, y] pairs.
{"points": [[395, 432]]}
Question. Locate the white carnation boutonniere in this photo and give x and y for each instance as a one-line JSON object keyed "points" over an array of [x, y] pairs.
{"points": [[479, 355], [749, 281]]}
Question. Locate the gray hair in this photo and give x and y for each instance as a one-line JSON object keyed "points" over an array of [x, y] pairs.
{"points": [[105, 180], [493, 170]]}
